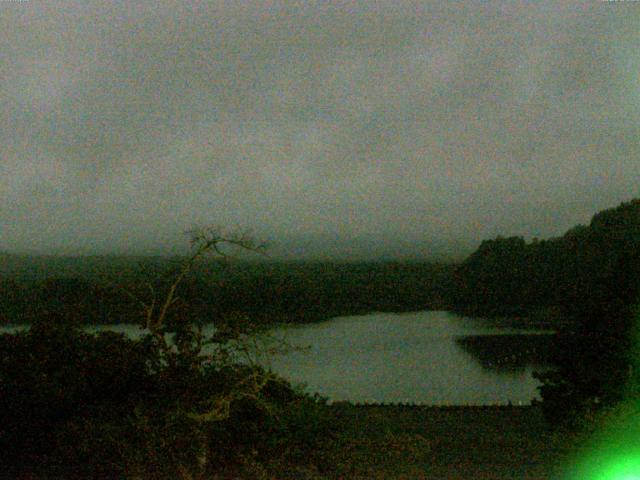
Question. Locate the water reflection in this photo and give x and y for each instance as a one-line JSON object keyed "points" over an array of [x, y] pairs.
{"points": [[508, 353], [421, 357]]}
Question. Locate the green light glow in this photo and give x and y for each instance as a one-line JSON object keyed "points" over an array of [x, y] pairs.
{"points": [[614, 451], [622, 469], [611, 468]]}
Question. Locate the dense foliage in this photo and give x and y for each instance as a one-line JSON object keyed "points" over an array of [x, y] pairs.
{"points": [[80, 405], [590, 277], [267, 292], [175, 403], [508, 276]]}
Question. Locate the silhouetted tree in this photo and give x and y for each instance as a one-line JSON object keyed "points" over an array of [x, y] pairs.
{"points": [[80, 405]]}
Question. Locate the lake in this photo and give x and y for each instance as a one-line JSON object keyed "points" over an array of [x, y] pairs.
{"points": [[433, 357], [423, 357]]}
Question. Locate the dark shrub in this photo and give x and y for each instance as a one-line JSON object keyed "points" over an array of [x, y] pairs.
{"points": [[81, 405]]}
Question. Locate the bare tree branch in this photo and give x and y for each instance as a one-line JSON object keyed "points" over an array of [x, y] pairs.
{"points": [[203, 241]]}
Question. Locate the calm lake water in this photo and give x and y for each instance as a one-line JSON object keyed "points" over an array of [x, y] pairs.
{"points": [[423, 357]]}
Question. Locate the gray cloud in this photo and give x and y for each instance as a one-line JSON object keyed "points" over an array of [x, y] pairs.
{"points": [[332, 128]]}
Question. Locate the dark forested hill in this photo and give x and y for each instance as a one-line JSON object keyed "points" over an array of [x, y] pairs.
{"points": [[102, 289], [590, 278], [508, 276]]}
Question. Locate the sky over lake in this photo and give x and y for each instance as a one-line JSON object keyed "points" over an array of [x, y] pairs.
{"points": [[332, 129]]}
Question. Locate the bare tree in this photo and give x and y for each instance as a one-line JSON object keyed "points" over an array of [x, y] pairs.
{"points": [[250, 377]]}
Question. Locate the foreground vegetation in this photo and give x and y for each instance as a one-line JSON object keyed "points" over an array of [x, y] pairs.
{"points": [[172, 404], [78, 405]]}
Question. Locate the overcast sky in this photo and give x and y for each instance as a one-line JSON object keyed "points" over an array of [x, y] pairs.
{"points": [[330, 128]]}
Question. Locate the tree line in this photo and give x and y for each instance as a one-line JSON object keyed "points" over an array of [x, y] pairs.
{"points": [[508, 276], [267, 292], [589, 278]]}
